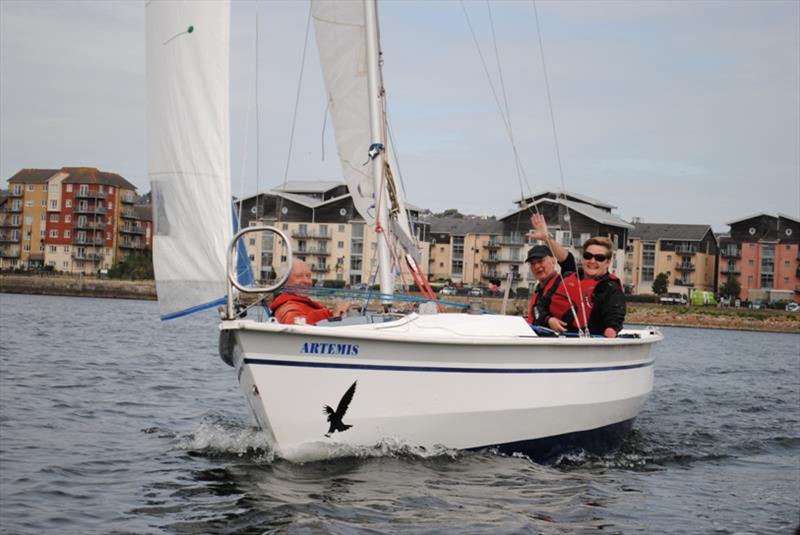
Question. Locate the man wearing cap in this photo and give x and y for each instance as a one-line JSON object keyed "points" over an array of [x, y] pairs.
{"points": [[542, 259]]}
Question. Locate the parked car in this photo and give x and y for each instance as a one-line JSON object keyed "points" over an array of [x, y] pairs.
{"points": [[360, 286], [475, 292], [757, 305], [447, 290], [792, 307], [673, 299]]}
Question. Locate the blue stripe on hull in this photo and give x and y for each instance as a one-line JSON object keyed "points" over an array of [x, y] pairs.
{"points": [[438, 369], [543, 450]]}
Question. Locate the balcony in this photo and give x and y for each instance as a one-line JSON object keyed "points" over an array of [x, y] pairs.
{"points": [[90, 257], [128, 199], [85, 194], [730, 253], [492, 275], [502, 260], [491, 244], [16, 193], [513, 241], [9, 237], [85, 240], [730, 270], [125, 244], [129, 213], [685, 249], [314, 250], [82, 208], [303, 235], [683, 282], [7, 221], [321, 268], [684, 266], [91, 225], [490, 260], [132, 229], [9, 253], [15, 208]]}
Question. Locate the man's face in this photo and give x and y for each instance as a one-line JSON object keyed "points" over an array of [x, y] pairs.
{"points": [[301, 276], [542, 268]]}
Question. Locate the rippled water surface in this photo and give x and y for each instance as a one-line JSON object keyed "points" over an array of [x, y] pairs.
{"points": [[113, 422]]}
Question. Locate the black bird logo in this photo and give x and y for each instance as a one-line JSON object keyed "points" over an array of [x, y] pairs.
{"points": [[335, 417]]}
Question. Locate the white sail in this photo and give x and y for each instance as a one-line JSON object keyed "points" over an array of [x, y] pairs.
{"points": [[188, 55], [341, 39]]}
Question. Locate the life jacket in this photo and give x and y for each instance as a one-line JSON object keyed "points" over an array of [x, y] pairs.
{"points": [[543, 297], [286, 307], [579, 291]]}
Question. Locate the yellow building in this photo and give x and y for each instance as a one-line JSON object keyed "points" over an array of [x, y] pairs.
{"points": [[687, 254]]}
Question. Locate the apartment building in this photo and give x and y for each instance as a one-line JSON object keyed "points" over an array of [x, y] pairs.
{"points": [[325, 229], [75, 219], [687, 254], [458, 250], [762, 252], [571, 217]]}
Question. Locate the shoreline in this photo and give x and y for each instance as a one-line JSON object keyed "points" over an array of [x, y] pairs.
{"points": [[638, 313]]}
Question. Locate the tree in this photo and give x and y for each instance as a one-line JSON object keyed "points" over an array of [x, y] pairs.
{"points": [[660, 284], [135, 266], [732, 288], [450, 212]]}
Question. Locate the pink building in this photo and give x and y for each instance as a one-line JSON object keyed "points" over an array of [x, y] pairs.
{"points": [[763, 252]]}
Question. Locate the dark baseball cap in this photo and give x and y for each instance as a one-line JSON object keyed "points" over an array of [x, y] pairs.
{"points": [[538, 252]]}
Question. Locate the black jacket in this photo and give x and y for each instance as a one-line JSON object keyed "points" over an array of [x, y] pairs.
{"points": [[608, 306]]}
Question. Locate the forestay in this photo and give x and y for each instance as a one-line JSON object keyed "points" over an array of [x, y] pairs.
{"points": [[187, 52], [341, 39]]}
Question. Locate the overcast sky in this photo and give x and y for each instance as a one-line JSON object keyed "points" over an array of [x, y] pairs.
{"points": [[681, 112]]}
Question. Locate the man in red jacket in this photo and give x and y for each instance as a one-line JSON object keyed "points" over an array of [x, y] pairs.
{"points": [[288, 307]]}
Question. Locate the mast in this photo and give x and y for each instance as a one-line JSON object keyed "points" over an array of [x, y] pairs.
{"points": [[376, 132]]}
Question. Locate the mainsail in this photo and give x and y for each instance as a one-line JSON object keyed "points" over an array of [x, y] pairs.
{"points": [[188, 55], [340, 31]]}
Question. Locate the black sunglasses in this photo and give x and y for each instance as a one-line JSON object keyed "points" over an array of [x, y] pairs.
{"points": [[598, 257]]}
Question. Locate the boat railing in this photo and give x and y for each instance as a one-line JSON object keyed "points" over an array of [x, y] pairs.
{"points": [[233, 280]]}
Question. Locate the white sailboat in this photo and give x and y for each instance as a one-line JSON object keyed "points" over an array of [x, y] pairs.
{"points": [[454, 380]]}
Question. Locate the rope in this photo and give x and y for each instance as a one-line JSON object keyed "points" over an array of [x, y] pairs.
{"points": [[296, 107]]}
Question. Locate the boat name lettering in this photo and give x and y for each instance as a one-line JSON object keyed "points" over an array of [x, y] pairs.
{"points": [[318, 348]]}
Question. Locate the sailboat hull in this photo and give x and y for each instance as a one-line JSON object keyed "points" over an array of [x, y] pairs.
{"points": [[449, 380]]}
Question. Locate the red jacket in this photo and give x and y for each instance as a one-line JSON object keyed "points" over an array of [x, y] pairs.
{"points": [[286, 307]]}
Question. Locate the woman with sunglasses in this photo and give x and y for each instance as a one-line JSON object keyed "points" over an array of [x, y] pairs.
{"points": [[593, 295]]}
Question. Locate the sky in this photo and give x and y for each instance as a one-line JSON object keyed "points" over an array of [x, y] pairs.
{"points": [[675, 112]]}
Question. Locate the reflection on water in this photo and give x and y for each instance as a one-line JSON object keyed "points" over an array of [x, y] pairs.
{"points": [[111, 418]]}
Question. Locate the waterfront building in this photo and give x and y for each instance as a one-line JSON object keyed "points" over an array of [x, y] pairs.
{"points": [[325, 229], [460, 252], [74, 219], [762, 252], [572, 219], [687, 254]]}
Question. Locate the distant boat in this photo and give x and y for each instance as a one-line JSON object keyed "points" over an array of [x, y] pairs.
{"points": [[454, 380]]}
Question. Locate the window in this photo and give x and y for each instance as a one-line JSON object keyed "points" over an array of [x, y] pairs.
{"points": [[69, 188], [30, 187], [65, 264], [52, 249], [44, 203], [54, 204], [341, 228], [68, 203], [26, 247], [28, 220], [100, 188], [68, 218], [252, 242], [54, 188], [43, 218], [110, 206], [54, 218], [44, 187], [340, 245], [285, 226], [66, 248], [54, 233], [669, 258], [66, 234], [29, 203]]}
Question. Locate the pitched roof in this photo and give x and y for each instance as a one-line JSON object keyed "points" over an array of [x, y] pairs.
{"points": [[592, 212], [32, 176], [308, 186], [144, 211], [461, 226], [579, 197], [92, 175], [668, 231]]}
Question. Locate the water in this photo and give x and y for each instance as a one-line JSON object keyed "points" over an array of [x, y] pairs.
{"points": [[112, 422]]}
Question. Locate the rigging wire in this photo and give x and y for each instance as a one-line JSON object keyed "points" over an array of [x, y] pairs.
{"points": [[252, 104], [296, 107]]}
